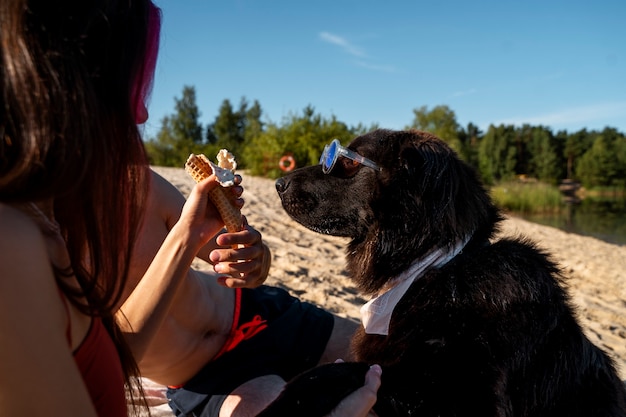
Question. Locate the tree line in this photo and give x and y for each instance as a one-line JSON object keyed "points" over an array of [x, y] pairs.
{"points": [[502, 153]]}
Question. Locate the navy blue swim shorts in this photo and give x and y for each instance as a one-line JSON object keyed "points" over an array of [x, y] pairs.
{"points": [[273, 334]]}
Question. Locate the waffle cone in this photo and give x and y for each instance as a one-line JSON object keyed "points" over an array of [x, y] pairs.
{"points": [[199, 168]]}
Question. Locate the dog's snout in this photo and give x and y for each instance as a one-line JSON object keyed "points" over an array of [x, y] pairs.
{"points": [[281, 185]]}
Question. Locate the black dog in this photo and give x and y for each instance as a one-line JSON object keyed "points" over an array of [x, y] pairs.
{"points": [[485, 329]]}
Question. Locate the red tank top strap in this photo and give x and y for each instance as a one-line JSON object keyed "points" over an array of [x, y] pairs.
{"points": [[99, 365]]}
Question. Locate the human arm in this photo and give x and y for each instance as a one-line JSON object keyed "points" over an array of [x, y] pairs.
{"points": [[163, 213], [248, 264], [361, 401], [39, 375], [162, 260], [254, 396]]}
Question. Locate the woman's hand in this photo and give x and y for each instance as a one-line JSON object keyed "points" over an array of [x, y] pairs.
{"points": [[243, 259], [199, 216]]}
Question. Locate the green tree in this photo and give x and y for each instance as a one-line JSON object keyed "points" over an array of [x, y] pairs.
{"points": [[575, 146], [543, 156], [362, 129], [561, 138], [496, 154], [225, 128], [253, 126], [162, 151], [180, 133], [470, 139], [599, 166], [185, 125], [523, 156], [232, 129], [620, 154], [301, 136], [440, 121]]}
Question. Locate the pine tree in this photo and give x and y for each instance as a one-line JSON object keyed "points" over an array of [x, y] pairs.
{"points": [[180, 133]]}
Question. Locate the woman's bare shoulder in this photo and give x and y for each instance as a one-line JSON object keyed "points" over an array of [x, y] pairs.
{"points": [[16, 227], [165, 200], [23, 253], [33, 322]]}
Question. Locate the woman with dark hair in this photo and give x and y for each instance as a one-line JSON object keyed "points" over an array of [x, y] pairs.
{"points": [[74, 178]]}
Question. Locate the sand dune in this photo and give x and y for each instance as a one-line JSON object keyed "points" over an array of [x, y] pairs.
{"points": [[311, 266]]}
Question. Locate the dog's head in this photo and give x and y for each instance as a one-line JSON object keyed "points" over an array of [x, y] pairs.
{"points": [[422, 197]]}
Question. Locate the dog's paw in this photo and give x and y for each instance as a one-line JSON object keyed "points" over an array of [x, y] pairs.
{"points": [[316, 392]]}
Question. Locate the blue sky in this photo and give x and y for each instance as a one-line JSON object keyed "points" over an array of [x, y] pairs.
{"points": [[560, 64]]}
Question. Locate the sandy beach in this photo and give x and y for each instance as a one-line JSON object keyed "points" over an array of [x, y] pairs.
{"points": [[311, 265]]}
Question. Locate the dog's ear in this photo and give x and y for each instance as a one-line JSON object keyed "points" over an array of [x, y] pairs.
{"points": [[405, 212], [412, 161], [449, 189], [424, 162]]}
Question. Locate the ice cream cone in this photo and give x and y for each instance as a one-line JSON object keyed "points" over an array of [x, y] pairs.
{"points": [[199, 167]]}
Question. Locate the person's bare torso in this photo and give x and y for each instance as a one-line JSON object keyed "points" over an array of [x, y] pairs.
{"points": [[200, 318], [201, 314], [192, 334]]}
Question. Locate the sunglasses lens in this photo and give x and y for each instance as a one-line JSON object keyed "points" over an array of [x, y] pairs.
{"points": [[350, 161], [328, 157]]}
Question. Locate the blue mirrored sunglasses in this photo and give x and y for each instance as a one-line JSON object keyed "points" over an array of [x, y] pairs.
{"points": [[333, 151]]}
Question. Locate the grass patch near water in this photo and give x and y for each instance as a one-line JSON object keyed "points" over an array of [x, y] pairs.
{"points": [[527, 197]]}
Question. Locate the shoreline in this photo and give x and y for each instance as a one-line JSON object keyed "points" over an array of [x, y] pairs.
{"points": [[311, 266]]}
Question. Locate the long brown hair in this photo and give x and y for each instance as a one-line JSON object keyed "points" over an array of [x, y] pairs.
{"points": [[72, 75]]}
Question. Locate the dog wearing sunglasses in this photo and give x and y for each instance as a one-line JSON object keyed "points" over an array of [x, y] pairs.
{"points": [[462, 324]]}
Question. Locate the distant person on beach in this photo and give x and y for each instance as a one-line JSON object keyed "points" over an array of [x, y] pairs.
{"points": [[222, 347]]}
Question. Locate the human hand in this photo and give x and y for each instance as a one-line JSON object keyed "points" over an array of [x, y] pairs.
{"points": [[243, 259], [199, 218], [361, 401]]}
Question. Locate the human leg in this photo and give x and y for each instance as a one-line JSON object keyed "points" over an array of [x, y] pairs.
{"points": [[251, 397], [295, 336], [338, 346]]}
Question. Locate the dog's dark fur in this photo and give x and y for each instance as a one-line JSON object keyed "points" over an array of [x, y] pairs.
{"points": [[492, 332]]}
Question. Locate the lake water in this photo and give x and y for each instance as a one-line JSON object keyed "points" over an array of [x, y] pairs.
{"points": [[602, 219]]}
